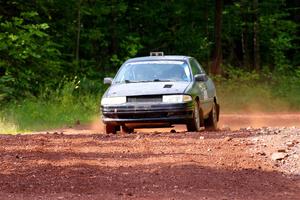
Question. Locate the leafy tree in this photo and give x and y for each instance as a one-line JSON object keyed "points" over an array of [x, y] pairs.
{"points": [[217, 58], [41, 41], [29, 57]]}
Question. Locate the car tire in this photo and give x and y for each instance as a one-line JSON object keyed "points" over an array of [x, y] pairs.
{"points": [[126, 129], [195, 123], [211, 123], [110, 128]]}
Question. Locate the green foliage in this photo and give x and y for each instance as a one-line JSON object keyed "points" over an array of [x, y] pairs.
{"points": [[40, 37], [64, 106], [278, 36], [241, 91], [287, 87], [130, 47], [54, 52], [5, 90], [28, 56], [7, 127]]}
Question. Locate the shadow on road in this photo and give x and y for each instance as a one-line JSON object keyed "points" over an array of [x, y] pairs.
{"points": [[154, 166]]}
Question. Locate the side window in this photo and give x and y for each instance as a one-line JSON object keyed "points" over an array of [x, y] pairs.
{"points": [[195, 67], [200, 67]]}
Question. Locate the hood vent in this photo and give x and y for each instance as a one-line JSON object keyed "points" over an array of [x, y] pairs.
{"points": [[168, 86]]}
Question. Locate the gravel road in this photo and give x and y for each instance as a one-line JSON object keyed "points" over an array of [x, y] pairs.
{"points": [[83, 163]]}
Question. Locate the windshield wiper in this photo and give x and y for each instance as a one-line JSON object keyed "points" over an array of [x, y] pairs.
{"points": [[129, 81], [138, 81], [145, 81], [162, 80]]}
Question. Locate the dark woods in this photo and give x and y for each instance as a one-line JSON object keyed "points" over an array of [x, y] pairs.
{"points": [[44, 42]]}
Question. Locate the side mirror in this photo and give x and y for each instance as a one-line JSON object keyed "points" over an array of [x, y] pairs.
{"points": [[108, 80], [201, 77]]}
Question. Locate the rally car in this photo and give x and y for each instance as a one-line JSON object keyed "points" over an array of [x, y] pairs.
{"points": [[160, 91]]}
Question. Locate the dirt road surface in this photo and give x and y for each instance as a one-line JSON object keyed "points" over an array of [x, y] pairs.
{"points": [[84, 163]]}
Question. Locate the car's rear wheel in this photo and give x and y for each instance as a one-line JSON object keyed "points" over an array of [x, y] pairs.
{"points": [[195, 123], [126, 129], [110, 128], [211, 123]]}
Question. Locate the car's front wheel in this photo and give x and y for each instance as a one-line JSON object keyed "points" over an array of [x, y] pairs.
{"points": [[211, 123], [110, 128], [126, 129], [195, 123]]}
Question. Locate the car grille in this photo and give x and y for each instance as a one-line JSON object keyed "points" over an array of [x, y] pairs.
{"points": [[142, 115], [144, 99]]}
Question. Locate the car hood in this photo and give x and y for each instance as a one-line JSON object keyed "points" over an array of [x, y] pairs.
{"points": [[148, 88]]}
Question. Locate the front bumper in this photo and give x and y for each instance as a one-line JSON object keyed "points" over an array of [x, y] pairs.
{"points": [[176, 113]]}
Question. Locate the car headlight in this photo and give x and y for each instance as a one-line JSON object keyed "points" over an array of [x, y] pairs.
{"points": [[113, 100], [176, 98]]}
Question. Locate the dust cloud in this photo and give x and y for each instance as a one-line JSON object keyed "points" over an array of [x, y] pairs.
{"points": [[234, 121], [257, 120], [249, 117]]}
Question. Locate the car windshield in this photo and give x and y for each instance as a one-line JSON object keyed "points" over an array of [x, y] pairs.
{"points": [[148, 71]]}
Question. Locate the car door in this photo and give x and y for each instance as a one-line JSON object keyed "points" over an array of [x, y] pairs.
{"points": [[205, 89]]}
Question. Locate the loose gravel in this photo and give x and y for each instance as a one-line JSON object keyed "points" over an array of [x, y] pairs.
{"points": [[280, 145]]}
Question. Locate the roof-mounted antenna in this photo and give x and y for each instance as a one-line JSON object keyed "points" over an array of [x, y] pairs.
{"points": [[159, 53]]}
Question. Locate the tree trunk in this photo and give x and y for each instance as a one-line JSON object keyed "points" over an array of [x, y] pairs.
{"points": [[245, 48], [217, 58], [78, 31], [245, 35], [113, 39], [256, 51], [207, 33]]}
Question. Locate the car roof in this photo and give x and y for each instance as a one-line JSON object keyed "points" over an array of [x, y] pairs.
{"points": [[149, 58]]}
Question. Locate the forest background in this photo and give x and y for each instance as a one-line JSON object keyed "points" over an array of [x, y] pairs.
{"points": [[54, 54]]}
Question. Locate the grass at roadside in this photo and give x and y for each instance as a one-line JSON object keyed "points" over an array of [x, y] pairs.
{"points": [[7, 127], [41, 114], [66, 106], [250, 92], [257, 98], [71, 102]]}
